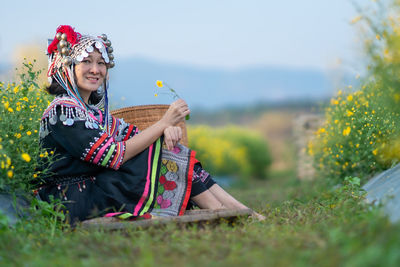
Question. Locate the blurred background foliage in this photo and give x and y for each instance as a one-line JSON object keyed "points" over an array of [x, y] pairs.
{"points": [[361, 135], [230, 150]]}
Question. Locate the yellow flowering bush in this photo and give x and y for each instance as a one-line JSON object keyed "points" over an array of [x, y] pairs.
{"points": [[358, 128], [230, 150], [21, 107], [361, 134]]}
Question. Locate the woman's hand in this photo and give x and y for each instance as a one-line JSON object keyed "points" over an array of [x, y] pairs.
{"points": [[172, 135], [176, 113]]}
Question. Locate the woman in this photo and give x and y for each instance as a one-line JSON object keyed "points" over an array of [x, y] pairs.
{"points": [[104, 166]]}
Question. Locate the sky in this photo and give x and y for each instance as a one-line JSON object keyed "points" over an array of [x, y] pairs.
{"points": [[209, 33]]}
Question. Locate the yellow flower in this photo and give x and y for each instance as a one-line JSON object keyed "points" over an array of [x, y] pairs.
{"points": [[378, 37], [26, 157], [155, 95], [356, 19], [16, 88], [336, 121], [10, 174], [6, 105], [28, 132], [347, 131], [18, 135], [349, 113], [349, 97], [375, 152], [34, 175], [18, 108], [159, 83], [10, 110]]}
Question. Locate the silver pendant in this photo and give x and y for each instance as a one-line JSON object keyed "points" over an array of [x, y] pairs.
{"points": [[95, 126], [70, 122], [53, 120], [87, 124], [63, 117]]}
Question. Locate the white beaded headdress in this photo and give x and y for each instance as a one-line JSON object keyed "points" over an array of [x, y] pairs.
{"points": [[69, 48]]}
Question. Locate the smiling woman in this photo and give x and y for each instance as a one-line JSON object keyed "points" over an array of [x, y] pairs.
{"points": [[103, 165], [90, 74]]}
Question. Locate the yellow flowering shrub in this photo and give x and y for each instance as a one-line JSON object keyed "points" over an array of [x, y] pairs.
{"points": [[361, 134], [230, 150], [358, 128], [21, 107]]}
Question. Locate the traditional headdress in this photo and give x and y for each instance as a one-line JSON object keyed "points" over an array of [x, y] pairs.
{"points": [[69, 48]]}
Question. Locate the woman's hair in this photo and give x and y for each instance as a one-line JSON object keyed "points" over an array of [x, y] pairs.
{"points": [[56, 89]]}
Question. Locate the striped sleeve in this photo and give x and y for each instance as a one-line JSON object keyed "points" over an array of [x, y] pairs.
{"points": [[90, 144]]}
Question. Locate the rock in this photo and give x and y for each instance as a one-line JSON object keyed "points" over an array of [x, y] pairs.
{"points": [[384, 189], [13, 207]]}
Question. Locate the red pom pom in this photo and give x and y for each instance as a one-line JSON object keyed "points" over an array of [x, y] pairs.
{"points": [[72, 37]]}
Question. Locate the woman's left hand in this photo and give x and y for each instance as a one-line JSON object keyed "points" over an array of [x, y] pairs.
{"points": [[172, 135]]}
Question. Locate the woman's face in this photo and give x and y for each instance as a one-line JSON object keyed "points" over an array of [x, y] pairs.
{"points": [[90, 74]]}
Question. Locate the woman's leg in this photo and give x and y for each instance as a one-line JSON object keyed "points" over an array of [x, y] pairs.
{"points": [[206, 200], [200, 194], [225, 198], [209, 195]]}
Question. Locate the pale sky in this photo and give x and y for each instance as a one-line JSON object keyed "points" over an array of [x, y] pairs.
{"points": [[207, 33]]}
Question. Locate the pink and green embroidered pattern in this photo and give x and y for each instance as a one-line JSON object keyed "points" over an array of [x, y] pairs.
{"points": [[105, 152]]}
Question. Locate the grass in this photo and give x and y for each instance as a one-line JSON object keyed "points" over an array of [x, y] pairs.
{"points": [[307, 223]]}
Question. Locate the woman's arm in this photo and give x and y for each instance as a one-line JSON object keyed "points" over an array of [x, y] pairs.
{"points": [[175, 114]]}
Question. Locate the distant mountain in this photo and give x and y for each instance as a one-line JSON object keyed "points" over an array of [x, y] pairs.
{"points": [[134, 80]]}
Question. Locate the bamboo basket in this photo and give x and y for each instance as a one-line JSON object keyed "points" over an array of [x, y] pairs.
{"points": [[146, 115]]}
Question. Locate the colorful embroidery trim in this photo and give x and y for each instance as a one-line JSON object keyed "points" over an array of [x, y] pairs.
{"points": [[147, 197]]}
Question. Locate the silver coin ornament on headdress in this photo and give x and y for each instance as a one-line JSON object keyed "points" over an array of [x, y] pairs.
{"points": [[75, 53]]}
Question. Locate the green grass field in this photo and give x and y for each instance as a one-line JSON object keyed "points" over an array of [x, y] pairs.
{"points": [[307, 223]]}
